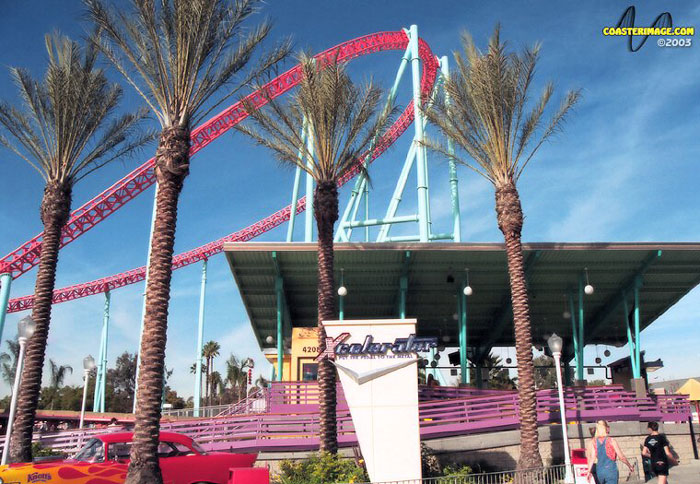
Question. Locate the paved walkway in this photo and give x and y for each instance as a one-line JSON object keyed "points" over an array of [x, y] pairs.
{"points": [[683, 474]]}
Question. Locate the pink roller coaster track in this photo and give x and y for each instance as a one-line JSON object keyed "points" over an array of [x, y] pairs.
{"points": [[109, 201]]}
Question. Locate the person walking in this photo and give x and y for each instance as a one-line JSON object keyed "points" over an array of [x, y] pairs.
{"points": [[657, 448], [607, 451], [590, 454]]}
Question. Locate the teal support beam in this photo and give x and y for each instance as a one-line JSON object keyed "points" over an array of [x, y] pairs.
{"points": [[574, 328], [309, 220], [631, 342], [341, 298], [381, 221], [454, 187], [403, 284], [637, 322], [5, 285], [295, 188], [99, 406], [580, 335], [199, 359], [366, 211], [341, 235], [462, 298], [421, 165], [601, 317], [143, 307], [398, 192], [280, 328]]}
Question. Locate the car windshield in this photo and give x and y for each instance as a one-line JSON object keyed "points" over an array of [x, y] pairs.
{"points": [[92, 451]]}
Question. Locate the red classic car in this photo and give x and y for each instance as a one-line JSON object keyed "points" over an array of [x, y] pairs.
{"points": [[104, 460]]}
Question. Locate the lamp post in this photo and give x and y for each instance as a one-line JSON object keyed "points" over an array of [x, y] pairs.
{"points": [[25, 330], [88, 365], [555, 344]]}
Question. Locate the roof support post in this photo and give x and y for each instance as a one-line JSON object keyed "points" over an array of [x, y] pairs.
{"points": [[341, 298], [199, 359], [403, 284], [637, 342], [574, 329], [631, 342], [580, 336], [280, 327], [462, 306], [5, 284]]}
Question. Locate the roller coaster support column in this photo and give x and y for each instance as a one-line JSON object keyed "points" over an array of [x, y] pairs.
{"points": [[98, 403], [454, 188], [145, 285], [309, 226], [421, 165], [295, 189], [200, 337], [5, 284]]}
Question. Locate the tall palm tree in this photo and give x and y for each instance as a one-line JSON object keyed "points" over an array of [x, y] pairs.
{"points": [[343, 120], [237, 375], [58, 376], [8, 360], [210, 351], [66, 128], [490, 119], [177, 54]]}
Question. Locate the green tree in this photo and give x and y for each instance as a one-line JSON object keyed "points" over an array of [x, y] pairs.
{"points": [[177, 54], [8, 360], [58, 376], [120, 384], [490, 120], [210, 350], [343, 120], [67, 127], [237, 375]]}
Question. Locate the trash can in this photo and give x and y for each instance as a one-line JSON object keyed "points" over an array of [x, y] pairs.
{"points": [[580, 464]]}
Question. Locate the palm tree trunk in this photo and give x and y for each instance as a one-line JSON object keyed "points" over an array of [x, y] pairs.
{"points": [[326, 212], [55, 210], [510, 221], [172, 159]]}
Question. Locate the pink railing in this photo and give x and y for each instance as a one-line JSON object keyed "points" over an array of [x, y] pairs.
{"points": [[297, 428]]}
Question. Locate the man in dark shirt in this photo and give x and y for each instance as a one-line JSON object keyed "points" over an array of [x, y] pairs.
{"points": [[657, 448]]}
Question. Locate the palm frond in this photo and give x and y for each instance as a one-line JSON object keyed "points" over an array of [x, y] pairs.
{"points": [[178, 54], [487, 115], [343, 120], [63, 129]]}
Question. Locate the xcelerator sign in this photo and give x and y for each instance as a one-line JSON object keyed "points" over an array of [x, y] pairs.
{"points": [[377, 365]]}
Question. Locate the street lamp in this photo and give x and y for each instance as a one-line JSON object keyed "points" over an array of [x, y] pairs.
{"points": [[555, 344], [88, 365], [25, 330]]}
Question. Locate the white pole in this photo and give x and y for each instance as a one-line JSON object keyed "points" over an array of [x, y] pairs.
{"points": [[13, 403], [568, 477], [86, 375]]}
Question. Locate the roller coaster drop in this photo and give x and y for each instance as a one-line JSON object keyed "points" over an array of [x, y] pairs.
{"points": [[425, 84]]}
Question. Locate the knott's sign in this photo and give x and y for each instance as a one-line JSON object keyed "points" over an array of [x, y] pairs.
{"points": [[336, 347]]}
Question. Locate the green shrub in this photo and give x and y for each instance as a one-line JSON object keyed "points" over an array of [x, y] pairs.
{"points": [[455, 470], [320, 468], [39, 450]]}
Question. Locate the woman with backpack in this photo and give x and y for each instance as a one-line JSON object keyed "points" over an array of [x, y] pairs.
{"points": [[604, 452]]}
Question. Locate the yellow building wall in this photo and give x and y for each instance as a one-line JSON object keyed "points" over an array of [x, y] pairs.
{"points": [[303, 354]]}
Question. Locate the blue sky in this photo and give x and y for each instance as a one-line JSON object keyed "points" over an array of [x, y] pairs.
{"points": [[625, 168]]}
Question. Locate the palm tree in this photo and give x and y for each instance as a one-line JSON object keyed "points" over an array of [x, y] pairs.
{"points": [[237, 375], [210, 351], [9, 363], [489, 119], [58, 375], [177, 54], [343, 121], [66, 128]]}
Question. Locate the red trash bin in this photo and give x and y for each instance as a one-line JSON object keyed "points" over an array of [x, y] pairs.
{"points": [[580, 465]]}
